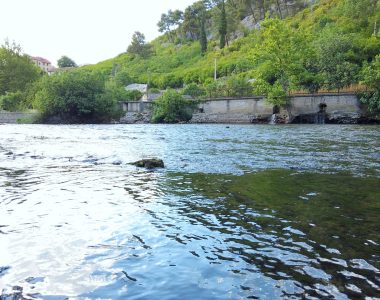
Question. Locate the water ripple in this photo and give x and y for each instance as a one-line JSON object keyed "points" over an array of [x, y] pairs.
{"points": [[258, 212]]}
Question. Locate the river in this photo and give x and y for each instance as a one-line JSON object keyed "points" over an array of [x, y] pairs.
{"points": [[238, 212]]}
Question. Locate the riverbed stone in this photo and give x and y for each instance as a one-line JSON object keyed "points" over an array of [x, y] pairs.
{"points": [[150, 163]]}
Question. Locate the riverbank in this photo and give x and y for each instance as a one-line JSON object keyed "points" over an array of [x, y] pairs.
{"points": [[302, 109], [7, 117]]}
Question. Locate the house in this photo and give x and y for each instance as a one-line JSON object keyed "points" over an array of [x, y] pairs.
{"points": [[43, 64]]}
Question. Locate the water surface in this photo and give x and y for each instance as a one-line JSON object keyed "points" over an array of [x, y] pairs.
{"points": [[257, 212]]}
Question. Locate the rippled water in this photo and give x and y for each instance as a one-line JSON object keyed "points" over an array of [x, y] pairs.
{"points": [[258, 212]]}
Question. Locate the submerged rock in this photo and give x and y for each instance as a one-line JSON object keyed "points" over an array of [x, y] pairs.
{"points": [[149, 163]]}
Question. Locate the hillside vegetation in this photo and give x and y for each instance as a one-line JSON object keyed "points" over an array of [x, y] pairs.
{"points": [[326, 45], [262, 47]]}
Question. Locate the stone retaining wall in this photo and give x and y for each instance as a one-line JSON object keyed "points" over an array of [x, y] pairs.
{"points": [[257, 110], [14, 117], [337, 108]]}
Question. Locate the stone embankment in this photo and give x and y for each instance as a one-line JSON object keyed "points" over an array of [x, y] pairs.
{"points": [[136, 118], [235, 118], [16, 117], [303, 109]]}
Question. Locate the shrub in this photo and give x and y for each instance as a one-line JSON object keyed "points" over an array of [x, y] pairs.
{"points": [[133, 95], [77, 97], [193, 90], [171, 107], [11, 101]]}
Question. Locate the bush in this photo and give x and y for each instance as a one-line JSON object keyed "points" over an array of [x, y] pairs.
{"points": [[238, 87], [171, 107], [77, 97], [133, 95], [154, 91], [193, 90], [11, 101], [370, 76], [170, 81]]}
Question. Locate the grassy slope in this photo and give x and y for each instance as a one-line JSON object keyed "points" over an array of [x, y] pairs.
{"points": [[185, 63]]}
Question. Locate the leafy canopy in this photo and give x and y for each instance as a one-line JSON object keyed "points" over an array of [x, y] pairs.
{"points": [[172, 107], [77, 97], [66, 62]]}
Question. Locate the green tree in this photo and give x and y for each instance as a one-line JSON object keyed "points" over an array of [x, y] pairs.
{"points": [[76, 97], [17, 71], [171, 107], [66, 62], [203, 36], [133, 95], [370, 76], [222, 25], [280, 56], [170, 21], [123, 77], [237, 86], [336, 60], [12, 101], [192, 18], [193, 90], [138, 45]]}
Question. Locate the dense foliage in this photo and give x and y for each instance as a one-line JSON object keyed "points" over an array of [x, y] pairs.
{"points": [[77, 97], [17, 73], [293, 49], [66, 62], [371, 77], [172, 107], [138, 45]]}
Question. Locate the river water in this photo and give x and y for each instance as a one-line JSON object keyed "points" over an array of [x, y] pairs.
{"points": [[238, 212]]}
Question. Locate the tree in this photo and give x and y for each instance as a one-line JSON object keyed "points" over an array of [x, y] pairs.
{"points": [[191, 20], [280, 57], [203, 36], [12, 101], [77, 97], [370, 76], [138, 45], [169, 22], [193, 90], [171, 107], [335, 59], [66, 62], [17, 71], [223, 25]]}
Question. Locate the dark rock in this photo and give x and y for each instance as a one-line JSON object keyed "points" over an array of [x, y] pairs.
{"points": [[149, 163], [117, 162], [9, 153]]}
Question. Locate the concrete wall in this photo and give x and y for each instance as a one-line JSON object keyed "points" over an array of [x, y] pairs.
{"points": [[136, 106], [252, 105], [257, 110], [344, 103], [308, 104], [12, 117]]}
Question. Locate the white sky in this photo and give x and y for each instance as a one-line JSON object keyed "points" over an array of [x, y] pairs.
{"points": [[87, 31]]}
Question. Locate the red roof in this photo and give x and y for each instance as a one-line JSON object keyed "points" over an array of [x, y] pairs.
{"points": [[41, 59]]}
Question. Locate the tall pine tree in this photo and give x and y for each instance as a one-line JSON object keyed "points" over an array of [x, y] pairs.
{"points": [[203, 36], [223, 26]]}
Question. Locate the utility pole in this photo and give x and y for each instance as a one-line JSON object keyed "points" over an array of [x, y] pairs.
{"points": [[375, 28], [215, 69]]}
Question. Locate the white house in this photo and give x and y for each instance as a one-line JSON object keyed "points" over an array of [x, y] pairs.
{"points": [[43, 64]]}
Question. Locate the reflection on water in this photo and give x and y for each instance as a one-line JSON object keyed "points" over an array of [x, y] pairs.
{"points": [[259, 212]]}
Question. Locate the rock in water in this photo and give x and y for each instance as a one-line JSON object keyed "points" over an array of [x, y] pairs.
{"points": [[149, 163]]}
